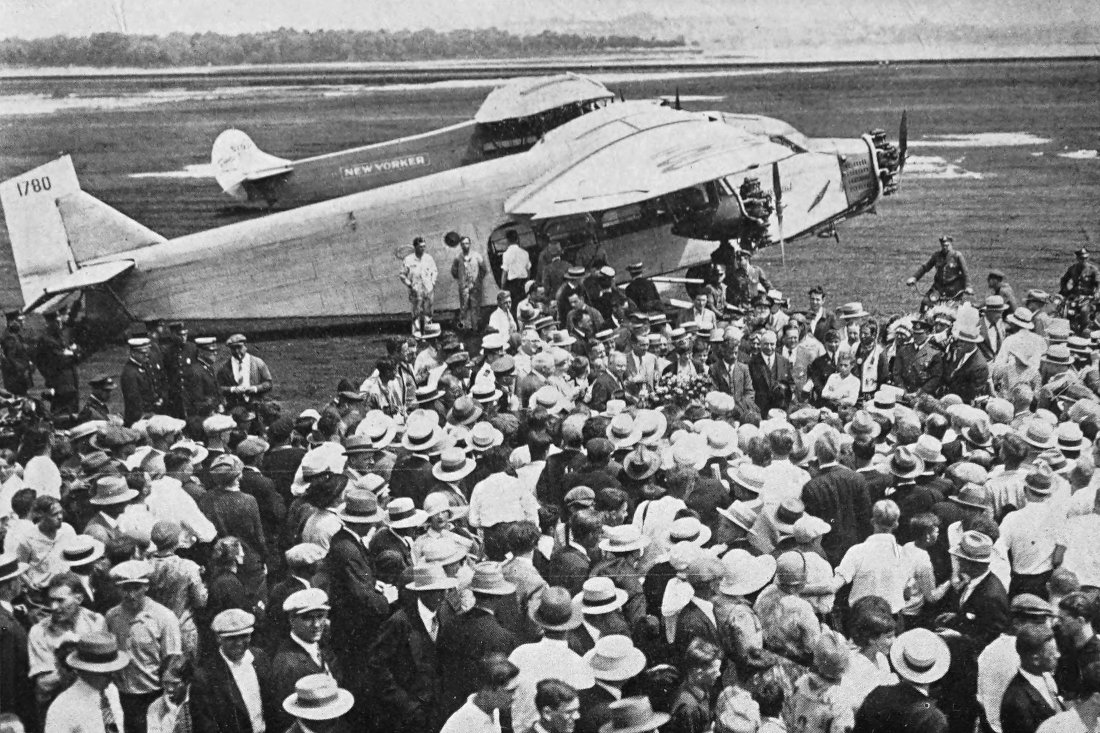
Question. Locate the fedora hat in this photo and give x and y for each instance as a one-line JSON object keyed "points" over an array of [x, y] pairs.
{"points": [[430, 577], [1039, 480], [641, 463], [489, 579], [786, 513], [484, 436], [920, 656], [486, 392], [614, 658], [863, 426], [689, 529], [1070, 437], [721, 440], [548, 398], [561, 338], [110, 490], [633, 715], [454, 465], [465, 411], [11, 567], [421, 435], [401, 513], [624, 538], [79, 551], [360, 507], [599, 595], [929, 449], [905, 463], [968, 334], [442, 551], [973, 496], [740, 513], [555, 610], [974, 546], [851, 310], [318, 697], [747, 476], [379, 427], [623, 431], [978, 435], [1021, 318], [745, 574], [430, 331], [98, 652], [198, 452], [1039, 434], [995, 303], [358, 444]]}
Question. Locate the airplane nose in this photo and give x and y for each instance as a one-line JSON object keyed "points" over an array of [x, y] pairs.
{"points": [[889, 160]]}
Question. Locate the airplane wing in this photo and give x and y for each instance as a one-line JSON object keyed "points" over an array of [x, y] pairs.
{"points": [[674, 152], [85, 277]]}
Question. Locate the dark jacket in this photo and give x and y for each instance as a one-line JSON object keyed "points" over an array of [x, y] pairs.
{"points": [[968, 378], [735, 380], [897, 708], [357, 606], [216, 702], [385, 539], [236, 514], [271, 507], [277, 624], [839, 496], [139, 392], [58, 368], [292, 663], [16, 366], [280, 464], [412, 478], [606, 386], [1023, 708], [1071, 667], [406, 674], [549, 489], [692, 623], [568, 569], [200, 388], [594, 711], [773, 387], [461, 643], [15, 681], [984, 615]]}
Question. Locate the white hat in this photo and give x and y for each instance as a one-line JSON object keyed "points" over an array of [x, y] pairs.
{"points": [[325, 458], [599, 595], [614, 658], [624, 538], [306, 600], [920, 656], [317, 697]]}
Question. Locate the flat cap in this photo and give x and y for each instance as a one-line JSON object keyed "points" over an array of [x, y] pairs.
{"points": [[218, 423], [233, 622], [227, 463], [305, 553], [237, 338], [131, 571], [304, 601], [252, 446]]}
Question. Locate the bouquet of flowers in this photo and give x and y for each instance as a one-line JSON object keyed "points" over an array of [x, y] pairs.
{"points": [[681, 389]]}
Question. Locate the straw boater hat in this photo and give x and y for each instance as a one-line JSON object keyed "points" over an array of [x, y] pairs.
{"points": [[454, 465], [486, 392], [98, 652], [484, 436], [421, 435], [851, 310], [745, 574], [624, 538], [1039, 479], [11, 567], [379, 427], [233, 622], [721, 440], [360, 507], [641, 463], [549, 399], [929, 449], [430, 577], [599, 595], [634, 715], [920, 656], [317, 697], [442, 551], [786, 513], [623, 431], [689, 529], [401, 513], [438, 502], [1039, 434], [614, 658], [79, 551], [1021, 318], [555, 611]]}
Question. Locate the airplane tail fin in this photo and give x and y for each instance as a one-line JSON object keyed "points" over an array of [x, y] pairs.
{"points": [[59, 234], [237, 160]]}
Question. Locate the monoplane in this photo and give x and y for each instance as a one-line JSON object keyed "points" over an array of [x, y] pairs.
{"points": [[630, 181]]}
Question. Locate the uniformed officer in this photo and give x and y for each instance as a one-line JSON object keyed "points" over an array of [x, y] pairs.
{"points": [[1081, 279], [16, 365], [96, 407], [178, 354], [201, 394], [951, 276], [56, 357], [140, 396], [641, 290]]}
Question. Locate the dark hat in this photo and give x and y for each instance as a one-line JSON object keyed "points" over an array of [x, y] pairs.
{"points": [[634, 715], [635, 268], [102, 382], [946, 238], [996, 273], [1082, 252], [556, 610], [975, 547]]}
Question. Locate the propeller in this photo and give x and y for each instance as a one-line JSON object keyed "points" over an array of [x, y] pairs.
{"points": [[903, 140], [779, 211]]}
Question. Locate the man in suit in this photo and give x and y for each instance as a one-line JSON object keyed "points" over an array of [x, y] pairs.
{"points": [[272, 508], [403, 521], [608, 384], [771, 376], [729, 375], [542, 366], [570, 563], [140, 394], [201, 393], [301, 653], [966, 373], [56, 357], [697, 619], [1032, 696], [97, 406], [15, 678], [243, 378], [549, 488], [405, 670], [469, 637], [991, 326], [232, 690], [838, 495], [236, 514], [822, 321], [15, 364], [920, 658]]}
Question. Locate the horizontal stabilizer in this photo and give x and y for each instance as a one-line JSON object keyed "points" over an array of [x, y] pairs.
{"points": [[85, 277], [236, 159], [96, 230]]}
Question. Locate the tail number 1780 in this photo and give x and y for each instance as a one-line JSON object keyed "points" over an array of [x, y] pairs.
{"points": [[33, 185]]}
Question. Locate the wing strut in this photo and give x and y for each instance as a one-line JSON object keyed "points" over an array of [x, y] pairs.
{"points": [[776, 184]]}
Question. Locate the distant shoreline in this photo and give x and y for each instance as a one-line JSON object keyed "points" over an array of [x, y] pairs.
{"points": [[437, 70]]}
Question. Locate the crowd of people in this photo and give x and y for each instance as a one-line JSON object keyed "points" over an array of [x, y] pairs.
{"points": [[602, 513]]}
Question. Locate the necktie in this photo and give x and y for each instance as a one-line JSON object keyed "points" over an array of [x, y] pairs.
{"points": [[109, 723], [1052, 690], [434, 631]]}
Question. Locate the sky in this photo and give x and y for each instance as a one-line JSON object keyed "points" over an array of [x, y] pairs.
{"points": [[763, 22]]}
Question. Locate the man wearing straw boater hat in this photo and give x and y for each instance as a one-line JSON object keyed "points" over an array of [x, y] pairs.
{"points": [[317, 704], [920, 658], [232, 690], [112, 495], [401, 522], [91, 704], [614, 661], [557, 615], [403, 660]]}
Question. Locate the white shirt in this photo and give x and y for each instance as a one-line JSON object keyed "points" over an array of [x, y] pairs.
{"points": [[168, 501], [969, 589], [516, 263], [428, 617], [783, 480], [877, 567], [1067, 722], [77, 710], [42, 475], [545, 659], [244, 674], [997, 664], [864, 675], [501, 498], [1028, 536], [313, 650], [503, 322], [242, 370], [1078, 535], [8, 490], [471, 719], [1045, 685]]}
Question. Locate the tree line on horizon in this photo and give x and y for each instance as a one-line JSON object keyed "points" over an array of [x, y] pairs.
{"points": [[290, 46]]}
